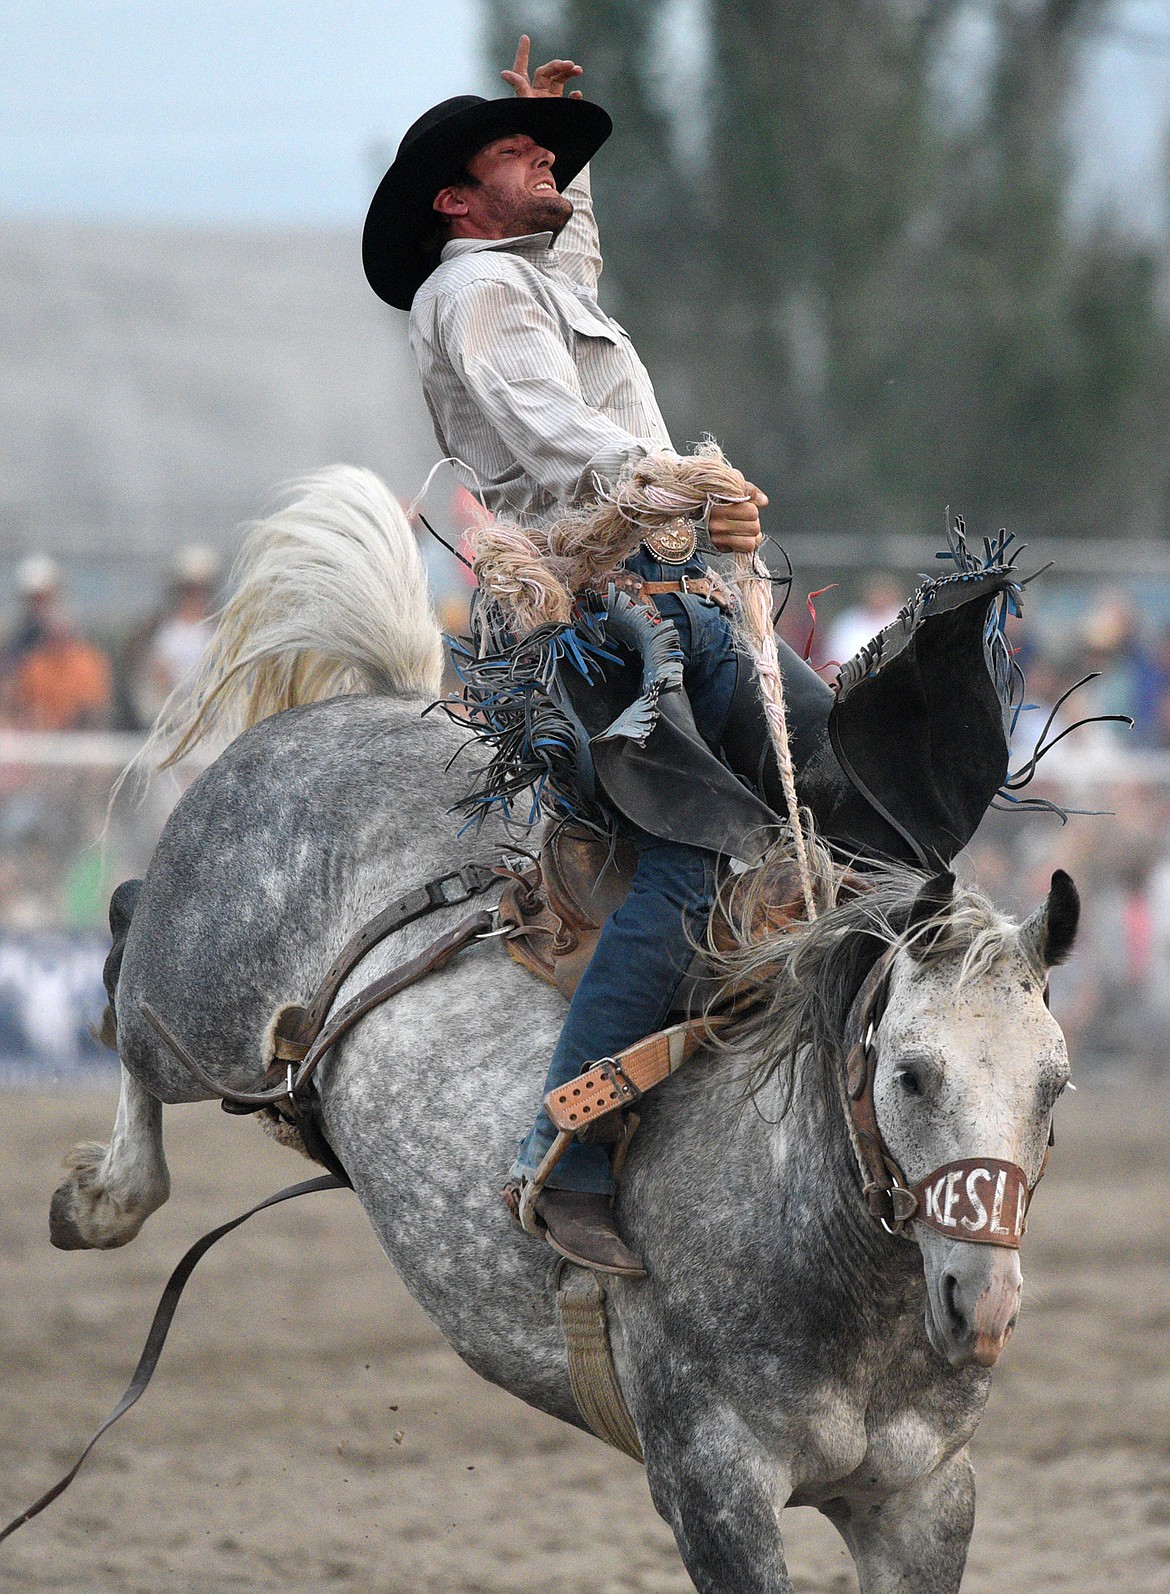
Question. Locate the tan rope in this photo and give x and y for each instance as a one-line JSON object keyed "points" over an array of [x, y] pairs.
{"points": [[513, 566], [533, 571], [756, 597]]}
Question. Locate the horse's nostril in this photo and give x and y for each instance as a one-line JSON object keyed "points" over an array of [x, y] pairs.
{"points": [[950, 1297]]}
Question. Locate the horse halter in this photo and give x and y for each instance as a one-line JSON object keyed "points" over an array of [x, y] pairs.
{"points": [[979, 1200]]}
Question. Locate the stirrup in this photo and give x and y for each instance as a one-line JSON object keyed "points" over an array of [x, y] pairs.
{"points": [[530, 1188]]}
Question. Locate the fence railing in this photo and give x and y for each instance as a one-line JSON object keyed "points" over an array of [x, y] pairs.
{"points": [[61, 853]]}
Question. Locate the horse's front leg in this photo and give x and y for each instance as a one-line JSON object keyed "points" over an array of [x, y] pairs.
{"points": [[111, 1191], [915, 1541], [722, 1496]]}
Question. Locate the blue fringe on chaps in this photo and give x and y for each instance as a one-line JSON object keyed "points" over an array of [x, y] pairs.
{"points": [[646, 946]]}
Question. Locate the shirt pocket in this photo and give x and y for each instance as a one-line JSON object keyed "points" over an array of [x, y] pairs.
{"points": [[588, 322]]}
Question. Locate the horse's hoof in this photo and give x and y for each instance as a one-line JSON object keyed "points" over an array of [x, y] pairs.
{"points": [[63, 1230]]}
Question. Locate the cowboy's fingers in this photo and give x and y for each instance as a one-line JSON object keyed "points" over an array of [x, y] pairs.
{"points": [[521, 84], [520, 64], [722, 523], [553, 76], [726, 542], [757, 495], [748, 514]]}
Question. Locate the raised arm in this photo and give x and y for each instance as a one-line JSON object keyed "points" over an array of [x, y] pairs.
{"points": [[512, 359], [547, 82], [577, 249]]}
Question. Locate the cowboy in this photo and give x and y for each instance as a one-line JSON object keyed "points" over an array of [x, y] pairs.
{"points": [[483, 229]]}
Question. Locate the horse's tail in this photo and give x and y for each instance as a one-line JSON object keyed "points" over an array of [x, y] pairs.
{"points": [[329, 597]]}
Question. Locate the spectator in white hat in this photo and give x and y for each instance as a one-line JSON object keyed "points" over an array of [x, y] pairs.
{"points": [[170, 649], [38, 586]]}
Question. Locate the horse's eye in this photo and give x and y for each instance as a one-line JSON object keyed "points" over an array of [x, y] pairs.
{"points": [[910, 1082]]}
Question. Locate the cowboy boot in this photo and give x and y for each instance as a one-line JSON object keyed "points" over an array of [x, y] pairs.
{"points": [[579, 1225]]}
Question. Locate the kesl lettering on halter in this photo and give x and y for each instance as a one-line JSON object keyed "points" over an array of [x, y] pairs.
{"points": [[980, 1199]]}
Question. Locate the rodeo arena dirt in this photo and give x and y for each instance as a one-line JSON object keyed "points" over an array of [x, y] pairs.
{"points": [[310, 1430]]}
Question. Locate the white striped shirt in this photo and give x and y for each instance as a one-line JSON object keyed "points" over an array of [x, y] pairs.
{"points": [[530, 385]]}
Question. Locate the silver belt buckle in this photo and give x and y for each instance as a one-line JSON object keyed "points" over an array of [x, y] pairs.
{"points": [[672, 544]]}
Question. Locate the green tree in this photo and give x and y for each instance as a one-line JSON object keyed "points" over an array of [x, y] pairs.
{"points": [[1004, 362], [879, 308]]}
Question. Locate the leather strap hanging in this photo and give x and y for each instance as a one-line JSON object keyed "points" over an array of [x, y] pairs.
{"points": [[159, 1328]]}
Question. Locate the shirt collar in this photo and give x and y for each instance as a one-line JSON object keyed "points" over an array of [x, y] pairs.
{"points": [[532, 243]]}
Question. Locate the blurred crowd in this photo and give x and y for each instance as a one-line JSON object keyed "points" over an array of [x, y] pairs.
{"points": [[53, 677], [59, 856], [1069, 633], [56, 855]]}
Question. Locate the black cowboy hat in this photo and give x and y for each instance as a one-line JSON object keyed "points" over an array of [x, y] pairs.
{"points": [[395, 245]]}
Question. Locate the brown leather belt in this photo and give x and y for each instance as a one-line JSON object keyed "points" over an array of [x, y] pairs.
{"points": [[709, 587], [691, 587]]}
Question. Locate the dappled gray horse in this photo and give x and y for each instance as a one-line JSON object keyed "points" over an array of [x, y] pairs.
{"points": [[785, 1348]]}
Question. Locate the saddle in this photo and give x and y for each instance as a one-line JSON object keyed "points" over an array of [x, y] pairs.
{"points": [[555, 907]]}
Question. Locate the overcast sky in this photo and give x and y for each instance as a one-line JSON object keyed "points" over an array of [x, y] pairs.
{"points": [[217, 110], [266, 111]]}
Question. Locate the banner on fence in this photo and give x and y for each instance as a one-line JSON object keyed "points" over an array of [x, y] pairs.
{"points": [[51, 1000]]}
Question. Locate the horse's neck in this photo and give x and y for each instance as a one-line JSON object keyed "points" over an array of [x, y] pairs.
{"points": [[844, 1251]]}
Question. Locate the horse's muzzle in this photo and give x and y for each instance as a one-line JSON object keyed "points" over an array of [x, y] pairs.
{"points": [[973, 1300]]}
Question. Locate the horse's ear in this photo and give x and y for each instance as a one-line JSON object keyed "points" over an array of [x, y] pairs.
{"points": [[1048, 936], [932, 902]]}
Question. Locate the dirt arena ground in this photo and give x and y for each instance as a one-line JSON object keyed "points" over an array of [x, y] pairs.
{"points": [[309, 1431]]}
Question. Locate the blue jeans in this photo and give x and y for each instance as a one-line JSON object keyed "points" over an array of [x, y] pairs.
{"points": [[646, 946]]}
